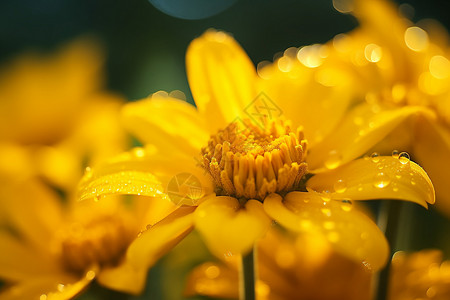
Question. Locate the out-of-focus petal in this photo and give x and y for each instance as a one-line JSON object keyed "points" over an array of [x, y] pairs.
{"points": [[378, 177], [302, 95], [359, 131], [349, 231], [213, 280], [130, 275], [33, 209], [229, 229], [221, 78], [18, 262], [159, 238], [432, 151], [169, 124], [140, 172], [61, 287]]}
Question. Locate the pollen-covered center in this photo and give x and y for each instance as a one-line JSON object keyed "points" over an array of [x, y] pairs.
{"points": [[249, 161], [97, 242]]}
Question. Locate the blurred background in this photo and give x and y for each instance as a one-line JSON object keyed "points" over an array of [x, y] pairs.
{"points": [[145, 43], [145, 46]]}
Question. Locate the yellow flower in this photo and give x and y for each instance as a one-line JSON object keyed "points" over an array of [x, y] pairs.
{"points": [[53, 251], [54, 106], [234, 164], [418, 275], [391, 75], [299, 267]]}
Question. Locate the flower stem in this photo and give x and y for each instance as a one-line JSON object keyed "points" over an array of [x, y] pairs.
{"points": [[247, 289], [388, 221]]}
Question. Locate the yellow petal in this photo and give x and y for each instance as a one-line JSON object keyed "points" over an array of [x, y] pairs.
{"points": [[301, 98], [361, 129], [229, 229], [380, 177], [221, 78], [32, 209], [432, 149], [21, 261], [55, 287], [130, 275], [142, 173], [124, 278], [349, 231], [213, 280], [169, 124], [160, 238]]}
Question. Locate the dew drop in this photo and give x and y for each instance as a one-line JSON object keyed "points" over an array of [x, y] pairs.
{"points": [[326, 211], [333, 161], [395, 154], [395, 189], [404, 158], [148, 226], [340, 186], [413, 182], [43, 297], [90, 275], [61, 287], [381, 180], [360, 187], [325, 199], [375, 157], [346, 205]]}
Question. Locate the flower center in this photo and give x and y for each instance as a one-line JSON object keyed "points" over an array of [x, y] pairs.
{"points": [[101, 241], [248, 161]]}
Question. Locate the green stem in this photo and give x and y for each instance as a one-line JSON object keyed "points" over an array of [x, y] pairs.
{"points": [[247, 289], [388, 221]]}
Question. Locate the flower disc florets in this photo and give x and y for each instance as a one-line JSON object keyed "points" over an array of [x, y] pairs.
{"points": [[248, 161]]}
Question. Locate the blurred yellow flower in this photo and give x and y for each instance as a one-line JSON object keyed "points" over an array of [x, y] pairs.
{"points": [[234, 164], [391, 75], [419, 275], [53, 251], [299, 267], [54, 106]]}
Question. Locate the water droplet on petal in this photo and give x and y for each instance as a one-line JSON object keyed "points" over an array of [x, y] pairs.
{"points": [[346, 205], [326, 211], [404, 158], [340, 186], [138, 152], [333, 161], [43, 297], [395, 154], [90, 275], [61, 287], [381, 180], [375, 157]]}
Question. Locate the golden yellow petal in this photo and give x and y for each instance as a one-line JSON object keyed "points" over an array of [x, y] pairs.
{"points": [[21, 261], [349, 231], [227, 227], [32, 209], [140, 172], [377, 177], [432, 149], [213, 280], [302, 93], [160, 238], [221, 78], [169, 124], [361, 129], [125, 278], [54, 287]]}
